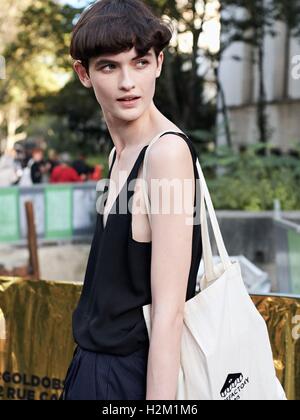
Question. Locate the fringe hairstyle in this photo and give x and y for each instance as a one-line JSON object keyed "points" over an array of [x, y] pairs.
{"points": [[115, 26]]}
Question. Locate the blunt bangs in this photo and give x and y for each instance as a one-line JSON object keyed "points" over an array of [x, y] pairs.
{"points": [[115, 26]]}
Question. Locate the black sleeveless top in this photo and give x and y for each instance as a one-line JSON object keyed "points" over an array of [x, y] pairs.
{"points": [[109, 316]]}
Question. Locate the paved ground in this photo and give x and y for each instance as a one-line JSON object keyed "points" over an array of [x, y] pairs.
{"points": [[60, 263]]}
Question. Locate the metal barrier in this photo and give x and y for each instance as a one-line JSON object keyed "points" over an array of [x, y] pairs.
{"points": [[36, 343], [287, 236], [62, 211]]}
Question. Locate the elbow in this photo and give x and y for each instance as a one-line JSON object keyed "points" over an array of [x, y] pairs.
{"points": [[168, 320]]}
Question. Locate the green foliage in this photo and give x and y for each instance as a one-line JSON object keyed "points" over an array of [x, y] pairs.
{"points": [[250, 181], [76, 119], [37, 61]]}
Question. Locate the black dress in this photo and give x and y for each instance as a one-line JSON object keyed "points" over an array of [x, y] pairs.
{"points": [[110, 361]]}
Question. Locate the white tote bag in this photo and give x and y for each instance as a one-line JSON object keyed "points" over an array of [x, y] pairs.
{"points": [[225, 348]]}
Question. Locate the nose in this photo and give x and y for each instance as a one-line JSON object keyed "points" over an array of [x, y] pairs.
{"points": [[126, 80]]}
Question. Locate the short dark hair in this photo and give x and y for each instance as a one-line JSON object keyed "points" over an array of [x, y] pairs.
{"points": [[115, 26]]}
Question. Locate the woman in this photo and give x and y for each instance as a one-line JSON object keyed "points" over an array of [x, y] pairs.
{"points": [[118, 51]]}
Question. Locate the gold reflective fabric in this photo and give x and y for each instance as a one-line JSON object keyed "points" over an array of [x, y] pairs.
{"points": [[282, 315], [36, 343], [36, 337]]}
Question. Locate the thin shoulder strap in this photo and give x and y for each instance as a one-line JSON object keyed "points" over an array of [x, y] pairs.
{"points": [[111, 157]]}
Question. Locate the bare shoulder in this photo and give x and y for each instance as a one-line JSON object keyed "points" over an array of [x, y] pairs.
{"points": [[169, 151]]}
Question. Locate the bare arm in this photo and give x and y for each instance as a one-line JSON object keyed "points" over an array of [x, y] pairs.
{"points": [[169, 159]]}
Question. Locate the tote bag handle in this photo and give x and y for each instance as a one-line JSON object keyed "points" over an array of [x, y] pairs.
{"points": [[205, 201]]}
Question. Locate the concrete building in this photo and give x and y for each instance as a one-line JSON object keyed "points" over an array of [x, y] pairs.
{"points": [[282, 82]]}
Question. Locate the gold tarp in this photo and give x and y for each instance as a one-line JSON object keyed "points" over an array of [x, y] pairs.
{"points": [[282, 316], [36, 344]]}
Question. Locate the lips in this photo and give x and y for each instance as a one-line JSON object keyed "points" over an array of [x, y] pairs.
{"points": [[129, 99]]}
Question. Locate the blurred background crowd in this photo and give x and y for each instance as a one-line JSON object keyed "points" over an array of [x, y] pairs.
{"points": [[25, 166]]}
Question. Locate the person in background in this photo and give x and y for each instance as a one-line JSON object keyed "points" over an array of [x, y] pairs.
{"points": [[82, 168], [8, 169], [37, 165], [63, 172], [52, 160]]}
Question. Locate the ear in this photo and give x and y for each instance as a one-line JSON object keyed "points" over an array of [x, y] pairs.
{"points": [[160, 60], [82, 74]]}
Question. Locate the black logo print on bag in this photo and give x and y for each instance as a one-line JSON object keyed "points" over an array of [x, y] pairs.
{"points": [[234, 384]]}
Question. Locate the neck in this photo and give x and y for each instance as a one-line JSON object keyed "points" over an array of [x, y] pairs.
{"points": [[132, 135]]}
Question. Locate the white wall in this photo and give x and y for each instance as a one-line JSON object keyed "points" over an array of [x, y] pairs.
{"points": [[294, 86], [283, 120], [240, 82]]}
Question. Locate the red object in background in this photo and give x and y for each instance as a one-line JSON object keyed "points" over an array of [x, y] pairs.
{"points": [[97, 174], [63, 173]]}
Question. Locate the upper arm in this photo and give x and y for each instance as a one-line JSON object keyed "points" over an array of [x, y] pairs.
{"points": [[171, 189]]}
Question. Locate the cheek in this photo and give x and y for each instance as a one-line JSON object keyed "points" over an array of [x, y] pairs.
{"points": [[147, 85], [104, 91], [103, 88]]}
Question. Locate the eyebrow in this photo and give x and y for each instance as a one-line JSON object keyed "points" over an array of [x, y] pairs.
{"points": [[108, 60]]}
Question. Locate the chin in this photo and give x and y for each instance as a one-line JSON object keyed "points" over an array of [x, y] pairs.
{"points": [[130, 115]]}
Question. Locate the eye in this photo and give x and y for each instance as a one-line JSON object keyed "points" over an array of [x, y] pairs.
{"points": [[144, 62], [110, 66], [107, 66]]}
